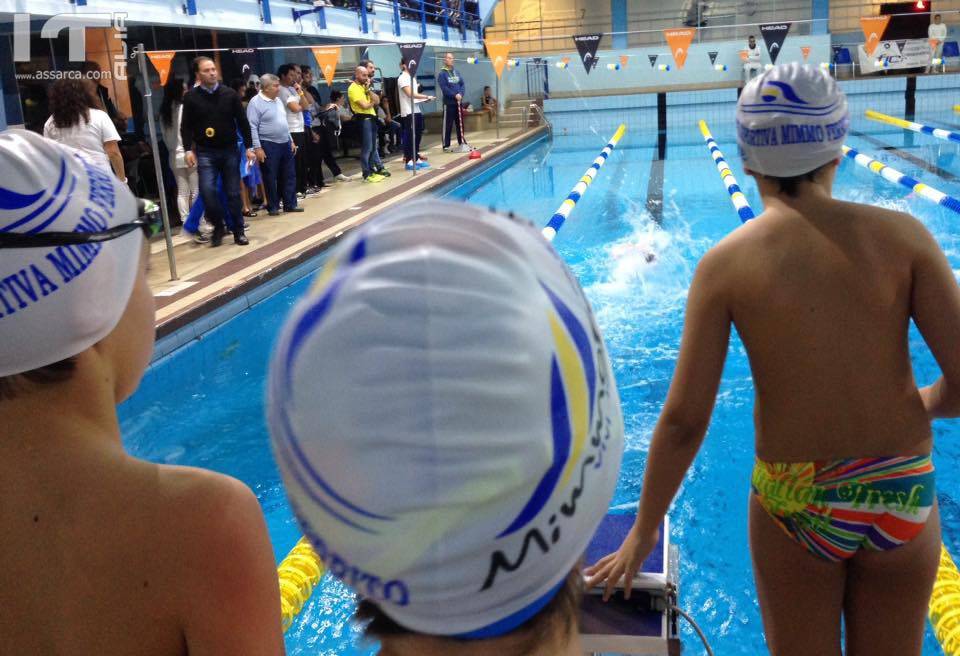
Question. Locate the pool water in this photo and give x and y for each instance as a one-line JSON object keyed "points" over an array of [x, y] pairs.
{"points": [[203, 404]]}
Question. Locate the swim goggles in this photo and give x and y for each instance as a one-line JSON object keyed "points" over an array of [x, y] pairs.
{"points": [[148, 220]]}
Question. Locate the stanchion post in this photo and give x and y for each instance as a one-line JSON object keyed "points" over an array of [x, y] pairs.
{"points": [[413, 121], [498, 107], [148, 97]]}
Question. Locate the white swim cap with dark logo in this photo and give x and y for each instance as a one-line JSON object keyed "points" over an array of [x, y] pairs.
{"points": [[445, 418], [791, 120], [57, 301]]}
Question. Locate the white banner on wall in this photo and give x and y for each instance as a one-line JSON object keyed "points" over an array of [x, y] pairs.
{"points": [[912, 53]]}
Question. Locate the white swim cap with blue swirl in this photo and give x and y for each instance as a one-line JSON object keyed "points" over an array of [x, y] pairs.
{"points": [[791, 120], [444, 415], [58, 301]]}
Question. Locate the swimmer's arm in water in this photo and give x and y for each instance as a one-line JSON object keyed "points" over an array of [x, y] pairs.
{"points": [[683, 421], [228, 590], [935, 307]]}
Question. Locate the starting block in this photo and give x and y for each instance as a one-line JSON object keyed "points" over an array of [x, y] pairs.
{"points": [[644, 625]]}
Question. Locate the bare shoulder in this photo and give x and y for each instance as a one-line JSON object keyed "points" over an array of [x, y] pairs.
{"points": [[894, 223]]}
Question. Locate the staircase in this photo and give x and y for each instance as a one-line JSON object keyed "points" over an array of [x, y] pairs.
{"points": [[518, 111]]}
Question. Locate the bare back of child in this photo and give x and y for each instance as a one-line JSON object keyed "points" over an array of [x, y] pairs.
{"points": [[843, 517], [102, 553]]}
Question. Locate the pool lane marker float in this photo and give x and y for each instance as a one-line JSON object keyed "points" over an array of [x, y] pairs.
{"points": [[893, 175], [939, 133], [944, 612], [736, 195], [298, 573], [956, 108], [556, 221]]}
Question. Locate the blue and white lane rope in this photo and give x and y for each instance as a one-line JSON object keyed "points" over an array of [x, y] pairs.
{"points": [[939, 133], [893, 175], [556, 221], [736, 195]]}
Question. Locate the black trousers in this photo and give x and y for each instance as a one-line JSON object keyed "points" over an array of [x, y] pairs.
{"points": [[453, 118], [411, 152], [325, 153], [300, 160]]}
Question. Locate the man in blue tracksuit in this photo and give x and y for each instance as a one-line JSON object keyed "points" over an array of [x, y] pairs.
{"points": [[451, 84]]}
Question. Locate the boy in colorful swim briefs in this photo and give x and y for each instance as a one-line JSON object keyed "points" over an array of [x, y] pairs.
{"points": [[844, 524]]}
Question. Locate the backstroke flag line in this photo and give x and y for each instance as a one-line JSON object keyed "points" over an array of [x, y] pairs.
{"points": [[412, 53], [327, 59], [774, 34], [587, 45], [679, 41], [498, 50], [162, 60], [873, 28]]}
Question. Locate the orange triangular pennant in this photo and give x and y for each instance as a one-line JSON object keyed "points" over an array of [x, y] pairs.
{"points": [[327, 59], [679, 41], [743, 55], [498, 50], [806, 52], [162, 60], [934, 43], [623, 61], [873, 28]]}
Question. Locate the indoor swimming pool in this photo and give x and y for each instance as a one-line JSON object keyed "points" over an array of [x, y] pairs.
{"points": [[659, 193]]}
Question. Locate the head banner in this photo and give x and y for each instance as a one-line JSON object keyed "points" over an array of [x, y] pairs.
{"points": [[713, 56], [498, 50], [679, 41], [587, 45], [873, 28], [246, 59], [774, 34], [653, 60], [162, 60], [327, 59], [412, 53]]}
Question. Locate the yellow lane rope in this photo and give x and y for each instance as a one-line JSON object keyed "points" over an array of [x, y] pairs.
{"points": [[299, 574]]}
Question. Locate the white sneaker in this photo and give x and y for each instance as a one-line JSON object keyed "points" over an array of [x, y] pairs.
{"points": [[343, 178], [464, 148]]}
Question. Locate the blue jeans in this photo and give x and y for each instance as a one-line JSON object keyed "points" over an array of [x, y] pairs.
{"points": [[225, 164], [279, 175], [192, 223], [369, 157]]}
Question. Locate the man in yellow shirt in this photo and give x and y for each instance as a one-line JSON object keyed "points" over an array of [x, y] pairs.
{"points": [[363, 103]]}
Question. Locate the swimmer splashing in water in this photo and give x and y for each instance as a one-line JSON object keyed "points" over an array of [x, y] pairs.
{"points": [[843, 514]]}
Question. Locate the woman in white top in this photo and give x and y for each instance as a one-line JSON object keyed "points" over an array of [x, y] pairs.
{"points": [[75, 122], [171, 111]]}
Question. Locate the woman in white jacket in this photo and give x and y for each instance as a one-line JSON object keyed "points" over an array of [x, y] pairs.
{"points": [[171, 110]]}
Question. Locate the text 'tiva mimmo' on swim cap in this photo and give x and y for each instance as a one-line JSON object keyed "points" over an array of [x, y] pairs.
{"points": [[792, 119], [58, 301], [445, 418]]}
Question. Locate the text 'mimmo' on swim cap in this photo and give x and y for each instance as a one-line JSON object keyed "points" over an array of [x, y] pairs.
{"points": [[445, 418], [58, 301], [791, 120]]}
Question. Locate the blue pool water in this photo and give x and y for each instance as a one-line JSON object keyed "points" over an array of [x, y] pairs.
{"points": [[202, 405]]}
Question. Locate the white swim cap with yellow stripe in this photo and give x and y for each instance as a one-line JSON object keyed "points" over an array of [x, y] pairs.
{"points": [[445, 418], [791, 120]]}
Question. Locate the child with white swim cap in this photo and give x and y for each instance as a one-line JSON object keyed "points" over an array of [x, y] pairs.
{"points": [[103, 553], [449, 431], [843, 513]]}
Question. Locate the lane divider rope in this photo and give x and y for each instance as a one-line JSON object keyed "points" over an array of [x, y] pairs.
{"points": [[939, 133], [298, 574], [556, 221], [895, 176], [739, 201]]}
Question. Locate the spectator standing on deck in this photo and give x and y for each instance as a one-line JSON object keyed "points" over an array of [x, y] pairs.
{"points": [[452, 86], [327, 125], [75, 122], [274, 146], [296, 103], [363, 103], [95, 74], [752, 65], [212, 115], [314, 158], [188, 184], [936, 32], [389, 128], [410, 115]]}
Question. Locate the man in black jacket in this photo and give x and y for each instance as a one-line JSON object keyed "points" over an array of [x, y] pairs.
{"points": [[212, 115]]}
